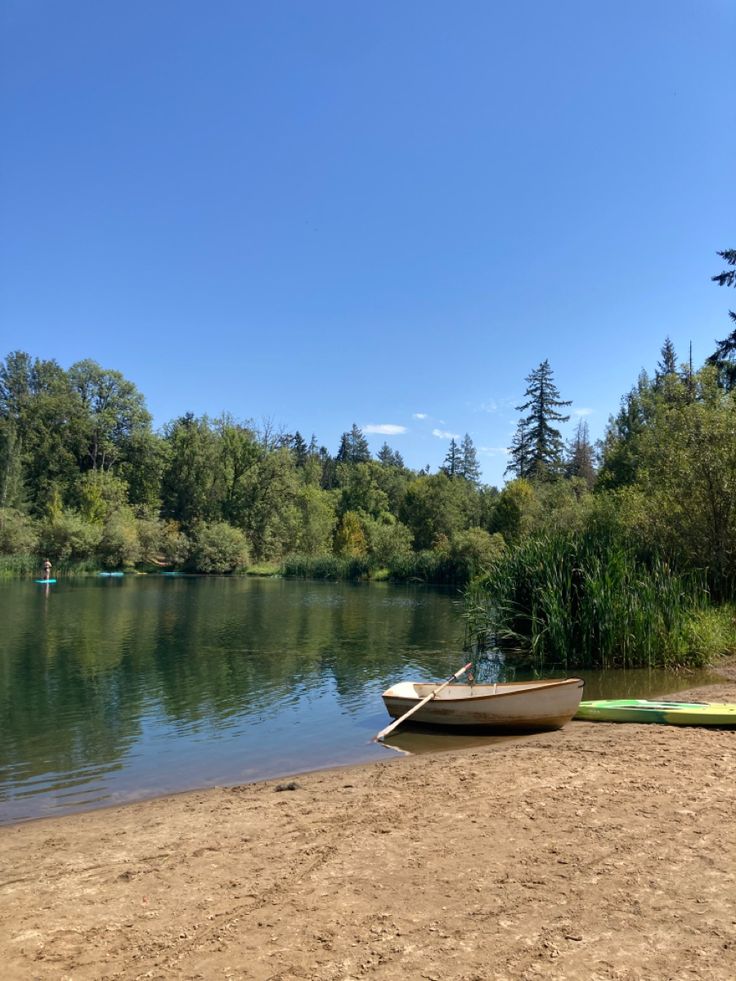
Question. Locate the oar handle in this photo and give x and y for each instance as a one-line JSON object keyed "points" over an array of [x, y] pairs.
{"points": [[415, 708]]}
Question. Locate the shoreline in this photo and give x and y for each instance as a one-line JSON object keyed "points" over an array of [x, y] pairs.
{"points": [[595, 852]]}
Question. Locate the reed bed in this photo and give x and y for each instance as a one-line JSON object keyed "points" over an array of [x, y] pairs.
{"points": [[421, 567], [23, 566], [325, 567], [589, 602]]}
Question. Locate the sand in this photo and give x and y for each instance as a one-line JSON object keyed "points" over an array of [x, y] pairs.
{"points": [[596, 852]]}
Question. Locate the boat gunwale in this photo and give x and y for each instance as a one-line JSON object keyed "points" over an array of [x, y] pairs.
{"points": [[533, 687]]}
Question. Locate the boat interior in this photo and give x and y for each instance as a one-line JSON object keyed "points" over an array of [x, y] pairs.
{"points": [[411, 689]]}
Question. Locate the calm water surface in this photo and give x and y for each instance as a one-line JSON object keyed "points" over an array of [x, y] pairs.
{"points": [[119, 689]]}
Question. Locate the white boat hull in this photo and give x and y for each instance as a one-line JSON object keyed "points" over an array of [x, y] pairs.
{"points": [[520, 706]]}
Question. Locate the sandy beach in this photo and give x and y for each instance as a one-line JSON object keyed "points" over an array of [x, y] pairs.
{"points": [[595, 852]]}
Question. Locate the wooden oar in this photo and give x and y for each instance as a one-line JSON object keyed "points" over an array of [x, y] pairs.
{"points": [[415, 708]]}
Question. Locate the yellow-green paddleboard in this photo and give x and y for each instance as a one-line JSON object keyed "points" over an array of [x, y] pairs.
{"points": [[666, 713]]}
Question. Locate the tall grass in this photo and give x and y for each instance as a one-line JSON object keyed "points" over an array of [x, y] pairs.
{"points": [[430, 567], [325, 567], [15, 566], [21, 566], [425, 567], [586, 601]]}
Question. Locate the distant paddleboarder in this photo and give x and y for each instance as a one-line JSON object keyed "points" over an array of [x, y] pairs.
{"points": [[46, 569]]}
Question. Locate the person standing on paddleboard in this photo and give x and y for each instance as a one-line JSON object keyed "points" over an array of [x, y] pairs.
{"points": [[47, 569]]}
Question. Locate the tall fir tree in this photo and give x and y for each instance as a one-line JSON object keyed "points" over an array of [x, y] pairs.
{"points": [[545, 441], [668, 363], [470, 468], [669, 381], [453, 462]]}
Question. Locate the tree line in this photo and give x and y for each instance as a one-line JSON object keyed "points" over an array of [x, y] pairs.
{"points": [[85, 478]]}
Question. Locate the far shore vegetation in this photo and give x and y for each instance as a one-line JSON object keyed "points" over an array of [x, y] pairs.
{"points": [[616, 554]]}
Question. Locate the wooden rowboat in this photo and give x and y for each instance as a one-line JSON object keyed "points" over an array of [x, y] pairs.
{"points": [[520, 706]]}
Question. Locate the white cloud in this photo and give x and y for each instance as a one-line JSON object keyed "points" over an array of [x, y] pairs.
{"points": [[583, 412], [385, 428], [494, 450], [443, 434], [420, 415], [490, 406]]}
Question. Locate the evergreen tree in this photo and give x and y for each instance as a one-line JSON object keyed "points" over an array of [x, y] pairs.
{"points": [[343, 450], [520, 457], [581, 455], [453, 463], [724, 356], [329, 469], [668, 380], [545, 441], [389, 458], [385, 455], [469, 462], [668, 364], [353, 447], [299, 449]]}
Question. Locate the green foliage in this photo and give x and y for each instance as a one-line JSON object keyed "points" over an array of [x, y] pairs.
{"points": [[120, 544], [475, 551], [18, 533], [271, 519], [317, 520], [69, 536], [710, 633], [515, 510], [189, 472], [586, 601], [22, 564], [326, 567], [350, 540], [686, 479], [436, 506], [389, 541], [360, 489], [112, 413], [99, 494], [219, 548], [430, 566]]}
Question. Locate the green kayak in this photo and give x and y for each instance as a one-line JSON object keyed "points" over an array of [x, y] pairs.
{"points": [[666, 713]]}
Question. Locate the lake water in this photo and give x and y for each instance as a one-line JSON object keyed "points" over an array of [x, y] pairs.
{"points": [[117, 689]]}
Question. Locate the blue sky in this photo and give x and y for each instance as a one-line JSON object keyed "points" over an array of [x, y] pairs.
{"points": [[333, 212]]}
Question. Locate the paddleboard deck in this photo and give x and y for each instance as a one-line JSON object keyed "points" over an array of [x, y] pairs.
{"points": [[44, 580], [662, 712]]}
